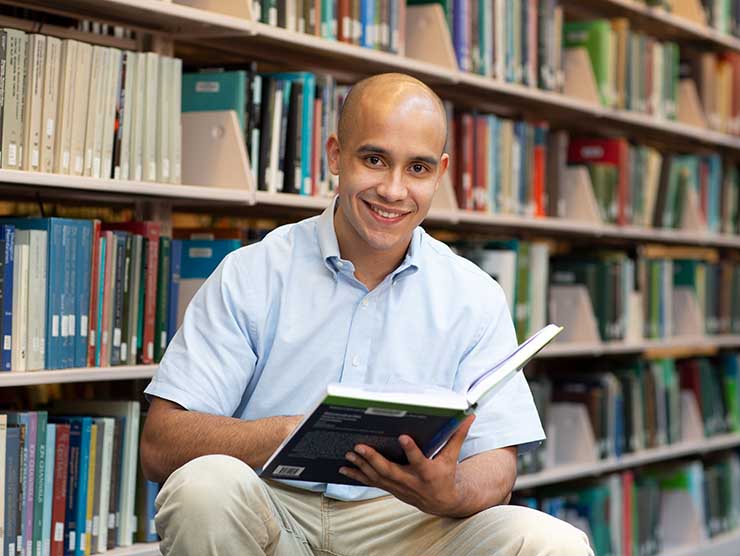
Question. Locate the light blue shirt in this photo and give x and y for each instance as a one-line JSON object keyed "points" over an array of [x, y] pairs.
{"points": [[280, 319]]}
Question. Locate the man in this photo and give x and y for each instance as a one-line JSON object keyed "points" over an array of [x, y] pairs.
{"points": [[359, 294]]}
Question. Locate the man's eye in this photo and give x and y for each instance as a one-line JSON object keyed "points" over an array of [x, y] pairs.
{"points": [[418, 168], [374, 160]]}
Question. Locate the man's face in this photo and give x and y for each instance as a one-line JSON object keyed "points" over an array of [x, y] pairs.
{"points": [[389, 167]]}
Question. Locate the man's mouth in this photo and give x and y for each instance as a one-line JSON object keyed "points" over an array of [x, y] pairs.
{"points": [[385, 214]]}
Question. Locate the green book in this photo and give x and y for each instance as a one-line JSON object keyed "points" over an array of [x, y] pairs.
{"points": [[215, 90], [39, 494], [596, 37]]}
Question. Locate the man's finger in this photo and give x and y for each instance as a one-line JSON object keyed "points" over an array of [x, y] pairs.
{"points": [[379, 464], [415, 456], [454, 444]]}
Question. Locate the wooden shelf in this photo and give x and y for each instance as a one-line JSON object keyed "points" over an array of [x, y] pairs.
{"points": [[571, 472], [118, 189], [670, 347], [243, 40], [84, 374], [726, 544], [152, 16]]}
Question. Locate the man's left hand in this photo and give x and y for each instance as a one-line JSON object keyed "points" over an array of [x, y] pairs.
{"points": [[432, 485]]}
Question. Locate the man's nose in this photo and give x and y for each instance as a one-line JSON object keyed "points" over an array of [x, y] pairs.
{"points": [[393, 187]]}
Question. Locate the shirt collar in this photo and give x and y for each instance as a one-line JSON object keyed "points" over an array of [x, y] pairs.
{"points": [[329, 245]]}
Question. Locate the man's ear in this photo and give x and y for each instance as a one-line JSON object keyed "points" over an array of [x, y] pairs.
{"points": [[332, 153], [444, 165]]}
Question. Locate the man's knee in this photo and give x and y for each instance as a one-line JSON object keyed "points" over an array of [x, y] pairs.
{"points": [[206, 487], [528, 532]]}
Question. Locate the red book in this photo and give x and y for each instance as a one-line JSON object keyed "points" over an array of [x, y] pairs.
{"points": [[94, 282], [612, 194], [61, 462], [344, 21], [464, 181], [627, 533], [480, 162], [151, 232]]}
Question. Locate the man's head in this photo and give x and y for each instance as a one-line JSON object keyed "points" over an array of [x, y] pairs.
{"points": [[389, 156]]}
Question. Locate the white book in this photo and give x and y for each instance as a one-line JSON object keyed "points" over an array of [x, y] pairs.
{"points": [[150, 123], [3, 450], [316, 449], [102, 103], [18, 353], [108, 435], [136, 145], [131, 411], [539, 264], [35, 57], [123, 170], [63, 131], [164, 94], [94, 114], [114, 84], [52, 71], [13, 99], [80, 108], [37, 300], [176, 123], [274, 169]]}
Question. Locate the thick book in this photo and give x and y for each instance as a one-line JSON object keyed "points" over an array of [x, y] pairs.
{"points": [[376, 415]]}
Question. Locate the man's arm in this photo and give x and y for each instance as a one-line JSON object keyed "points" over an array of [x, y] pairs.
{"points": [[173, 436], [440, 486]]}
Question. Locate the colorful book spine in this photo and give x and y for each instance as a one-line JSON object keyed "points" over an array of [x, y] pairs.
{"points": [[8, 238]]}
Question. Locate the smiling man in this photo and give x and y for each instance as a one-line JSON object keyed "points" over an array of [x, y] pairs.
{"points": [[360, 294]]}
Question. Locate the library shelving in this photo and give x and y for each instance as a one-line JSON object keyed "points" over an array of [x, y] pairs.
{"points": [[230, 36]]}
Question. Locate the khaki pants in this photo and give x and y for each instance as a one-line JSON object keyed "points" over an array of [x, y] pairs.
{"points": [[216, 505]]}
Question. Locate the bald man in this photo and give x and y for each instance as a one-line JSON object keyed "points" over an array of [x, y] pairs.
{"points": [[360, 294]]}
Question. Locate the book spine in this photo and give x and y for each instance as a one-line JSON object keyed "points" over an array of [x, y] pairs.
{"points": [[150, 303], [84, 271], [82, 485], [12, 465], [7, 300], [40, 494], [117, 299], [163, 273], [71, 523], [92, 307], [48, 497], [115, 486]]}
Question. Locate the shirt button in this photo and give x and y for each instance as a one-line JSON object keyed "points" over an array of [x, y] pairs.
{"points": [[365, 303], [340, 264], [356, 361]]}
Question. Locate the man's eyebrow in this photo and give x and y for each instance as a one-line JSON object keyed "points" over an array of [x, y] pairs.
{"points": [[374, 149]]}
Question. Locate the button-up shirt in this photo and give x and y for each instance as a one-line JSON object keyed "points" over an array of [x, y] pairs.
{"points": [[280, 319]]}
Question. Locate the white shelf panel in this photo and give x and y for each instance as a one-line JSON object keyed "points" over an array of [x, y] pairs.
{"points": [[726, 544], [579, 471], [293, 201], [139, 549], [697, 345], [90, 374], [125, 187]]}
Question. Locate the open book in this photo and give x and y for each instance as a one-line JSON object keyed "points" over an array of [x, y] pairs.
{"points": [[377, 415]]}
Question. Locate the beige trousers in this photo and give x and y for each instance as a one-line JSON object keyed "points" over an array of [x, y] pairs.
{"points": [[216, 505]]}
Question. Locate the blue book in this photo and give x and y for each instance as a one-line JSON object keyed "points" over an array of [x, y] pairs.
{"points": [[51, 438], [152, 489], [174, 287], [12, 486], [309, 94], [200, 257], [218, 90], [58, 258], [367, 20], [69, 299], [7, 237], [101, 290], [82, 306], [461, 33]]}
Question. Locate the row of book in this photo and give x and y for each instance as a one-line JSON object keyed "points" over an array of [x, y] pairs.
{"points": [[67, 22], [717, 79], [78, 293], [659, 293], [634, 406], [650, 511], [723, 15], [69, 107], [376, 24], [286, 118], [68, 480], [505, 166]]}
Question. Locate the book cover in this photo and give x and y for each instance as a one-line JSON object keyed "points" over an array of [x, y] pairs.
{"points": [[216, 90], [377, 415], [61, 482]]}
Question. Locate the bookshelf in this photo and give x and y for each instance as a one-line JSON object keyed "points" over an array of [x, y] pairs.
{"points": [[225, 37]]}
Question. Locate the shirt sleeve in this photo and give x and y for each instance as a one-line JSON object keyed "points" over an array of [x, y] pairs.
{"points": [[507, 417], [211, 358]]}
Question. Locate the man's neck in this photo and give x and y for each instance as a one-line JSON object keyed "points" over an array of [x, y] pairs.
{"points": [[371, 266]]}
